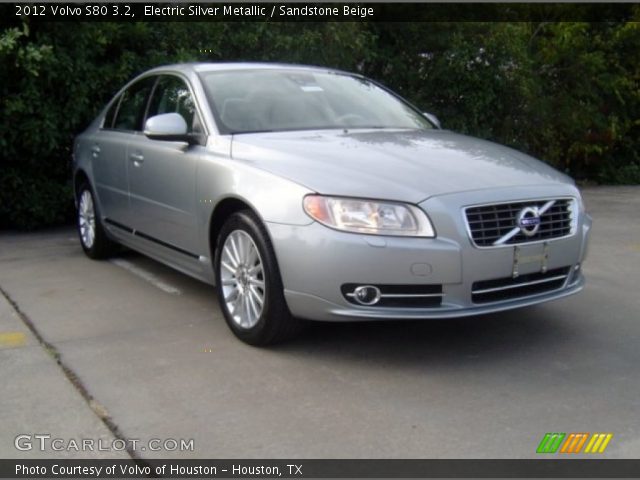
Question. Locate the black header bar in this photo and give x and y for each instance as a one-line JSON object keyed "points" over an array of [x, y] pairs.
{"points": [[316, 12]]}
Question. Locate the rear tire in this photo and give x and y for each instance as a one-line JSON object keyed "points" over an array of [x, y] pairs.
{"points": [[93, 238], [249, 285]]}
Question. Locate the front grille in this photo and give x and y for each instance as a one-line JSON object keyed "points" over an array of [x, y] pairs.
{"points": [[489, 225], [509, 288], [400, 296]]}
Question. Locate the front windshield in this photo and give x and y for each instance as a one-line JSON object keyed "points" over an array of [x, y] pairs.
{"points": [[260, 100]]}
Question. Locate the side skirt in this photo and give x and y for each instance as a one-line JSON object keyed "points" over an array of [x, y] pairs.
{"points": [[189, 263]]}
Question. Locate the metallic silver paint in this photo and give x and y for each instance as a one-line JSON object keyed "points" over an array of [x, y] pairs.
{"points": [[167, 123], [169, 191]]}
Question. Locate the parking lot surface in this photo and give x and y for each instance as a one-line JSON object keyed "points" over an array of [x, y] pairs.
{"points": [[148, 356]]}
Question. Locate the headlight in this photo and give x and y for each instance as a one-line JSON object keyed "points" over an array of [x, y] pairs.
{"points": [[369, 216], [576, 208]]}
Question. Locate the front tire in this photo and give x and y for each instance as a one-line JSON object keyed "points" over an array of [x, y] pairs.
{"points": [[93, 238], [248, 283]]}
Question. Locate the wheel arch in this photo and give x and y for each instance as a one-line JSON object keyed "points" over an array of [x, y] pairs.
{"points": [[278, 325], [79, 178], [222, 211]]}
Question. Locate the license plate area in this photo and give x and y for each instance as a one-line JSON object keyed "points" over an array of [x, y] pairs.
{"points": [[530, 259]]}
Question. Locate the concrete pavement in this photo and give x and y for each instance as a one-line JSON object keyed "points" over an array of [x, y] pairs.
{"points": [[162, 363], [39, 399]]}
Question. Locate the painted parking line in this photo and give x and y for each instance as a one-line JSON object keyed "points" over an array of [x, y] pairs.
{"points": [[12, 339], [146, 276]]}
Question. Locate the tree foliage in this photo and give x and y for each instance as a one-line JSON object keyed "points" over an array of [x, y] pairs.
{"points": [[567, 93]]}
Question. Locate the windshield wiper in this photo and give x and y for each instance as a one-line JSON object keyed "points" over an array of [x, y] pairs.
{"points": [[240, 132]]}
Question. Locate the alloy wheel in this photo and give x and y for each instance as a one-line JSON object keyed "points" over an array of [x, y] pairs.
{"points": [[242, 279], [87, 219]]}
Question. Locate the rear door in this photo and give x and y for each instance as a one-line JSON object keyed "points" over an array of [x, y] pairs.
{"points": [[162, 175], [109, 150]]}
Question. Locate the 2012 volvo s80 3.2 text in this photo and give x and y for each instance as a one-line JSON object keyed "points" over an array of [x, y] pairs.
{"points": [[310, 193]]}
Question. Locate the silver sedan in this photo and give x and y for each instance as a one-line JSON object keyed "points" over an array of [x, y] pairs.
{"points": [[310, 193]]}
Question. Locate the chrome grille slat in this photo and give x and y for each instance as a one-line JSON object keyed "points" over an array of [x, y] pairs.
{"points": [[410, 295], [493, 225], [520, 285], [509, 288], [399, 295]]}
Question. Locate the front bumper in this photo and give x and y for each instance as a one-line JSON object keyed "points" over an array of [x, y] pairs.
{"points": [[315, 262]]}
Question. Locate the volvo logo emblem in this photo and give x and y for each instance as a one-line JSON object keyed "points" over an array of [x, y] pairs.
{"points": [[529, 221]]}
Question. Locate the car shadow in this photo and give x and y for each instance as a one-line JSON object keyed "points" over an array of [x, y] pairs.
{"points": [[526, 332]]}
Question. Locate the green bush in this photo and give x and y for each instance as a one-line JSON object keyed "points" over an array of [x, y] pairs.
{"points": [[30, 199], [564, 92], [55, 77]]}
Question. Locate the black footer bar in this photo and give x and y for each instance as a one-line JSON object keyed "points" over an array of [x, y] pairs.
{"points": [[210, 468]]}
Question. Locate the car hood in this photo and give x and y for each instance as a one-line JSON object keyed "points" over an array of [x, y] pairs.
{"points": [[391, 164]]}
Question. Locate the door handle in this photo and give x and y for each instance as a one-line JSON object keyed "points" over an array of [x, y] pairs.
{"points": [[137, 159], [95, 151]]}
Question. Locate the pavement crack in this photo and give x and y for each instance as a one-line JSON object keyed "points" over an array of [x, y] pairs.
{"points": [[96, 407]]}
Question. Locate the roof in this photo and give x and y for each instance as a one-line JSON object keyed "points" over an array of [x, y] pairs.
{"points": [[221, 66]]}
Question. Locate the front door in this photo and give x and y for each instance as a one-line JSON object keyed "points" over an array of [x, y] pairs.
{"points": [[162, 175]]}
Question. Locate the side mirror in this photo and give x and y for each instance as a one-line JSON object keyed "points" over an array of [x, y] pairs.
{"points": [[170, 127], [432, 118]]}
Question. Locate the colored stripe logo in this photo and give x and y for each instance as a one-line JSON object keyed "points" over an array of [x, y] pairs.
{"points": [[598, 443], [574, 442], [550, 442]]}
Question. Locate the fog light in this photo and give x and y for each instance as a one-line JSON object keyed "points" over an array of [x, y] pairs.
{"points": [[366, 295], [575, 275]]}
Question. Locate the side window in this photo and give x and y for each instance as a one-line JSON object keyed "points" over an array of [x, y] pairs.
{"points": [[133, 104], [172, 95], [110, 116]]}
